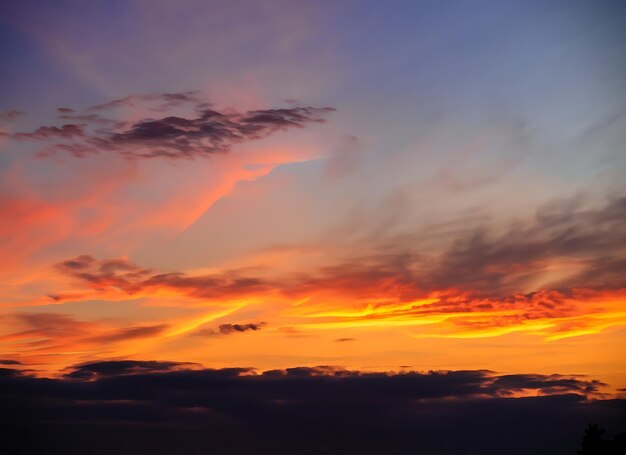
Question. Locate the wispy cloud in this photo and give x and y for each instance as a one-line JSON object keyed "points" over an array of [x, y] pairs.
{"points": [[9, 116], [206, 132], [123, 274]]}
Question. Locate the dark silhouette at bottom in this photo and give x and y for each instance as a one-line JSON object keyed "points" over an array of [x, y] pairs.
{"points": [[593, 444]]}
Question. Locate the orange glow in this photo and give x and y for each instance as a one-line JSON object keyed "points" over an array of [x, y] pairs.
{"points": [[221, 262], [388, 328]]}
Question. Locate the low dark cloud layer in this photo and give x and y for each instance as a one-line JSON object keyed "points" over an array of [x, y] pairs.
{"points": [[95, 370], [205, 132], [154, 407]]}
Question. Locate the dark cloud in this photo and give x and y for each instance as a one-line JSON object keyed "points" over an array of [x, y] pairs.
{"points": [[499, 265], [211, 132], [344, 340], [81, 262], [564, 230], [10, 373], [156, 407], [122, 367], [546, 384], [44, 133], [603, 272], [205, 132], [285, 384], [127, 276], [226, 329], [9, 362], [229, 329]]}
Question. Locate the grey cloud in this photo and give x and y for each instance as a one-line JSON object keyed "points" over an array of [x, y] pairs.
{"points": [[94, 370], [226, 329], [497, 264], [131, 278], [129, 333], [203, 133], [44, 133]]}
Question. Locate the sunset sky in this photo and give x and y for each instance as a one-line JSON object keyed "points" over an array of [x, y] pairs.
{"points": [[376, 186]]}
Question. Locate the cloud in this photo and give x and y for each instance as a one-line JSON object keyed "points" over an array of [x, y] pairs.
{"points": [[91, 119], [562, 230], [564, 247], [211, 132], [131, 278], [165, 100], [9, 362], [44, 133], [229, 329], [340, 384], [129, 333], [482, 285], [206, 132], [8, 116], [497, 265], [154, 406], [550, 384], [40, 327], [95, 370], [45, 333], [226, 329]]}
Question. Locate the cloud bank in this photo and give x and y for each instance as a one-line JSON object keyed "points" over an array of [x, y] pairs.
{"points": [[154, 406], [483, 284]]}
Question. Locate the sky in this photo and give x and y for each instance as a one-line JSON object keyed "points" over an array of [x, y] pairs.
{"points": [[397, 187]]}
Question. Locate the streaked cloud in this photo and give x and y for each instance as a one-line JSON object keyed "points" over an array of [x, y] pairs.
{"points": [[204, 133]]}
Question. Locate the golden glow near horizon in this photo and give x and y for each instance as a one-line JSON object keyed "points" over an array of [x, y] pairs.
{"points": [[330, 326]]}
